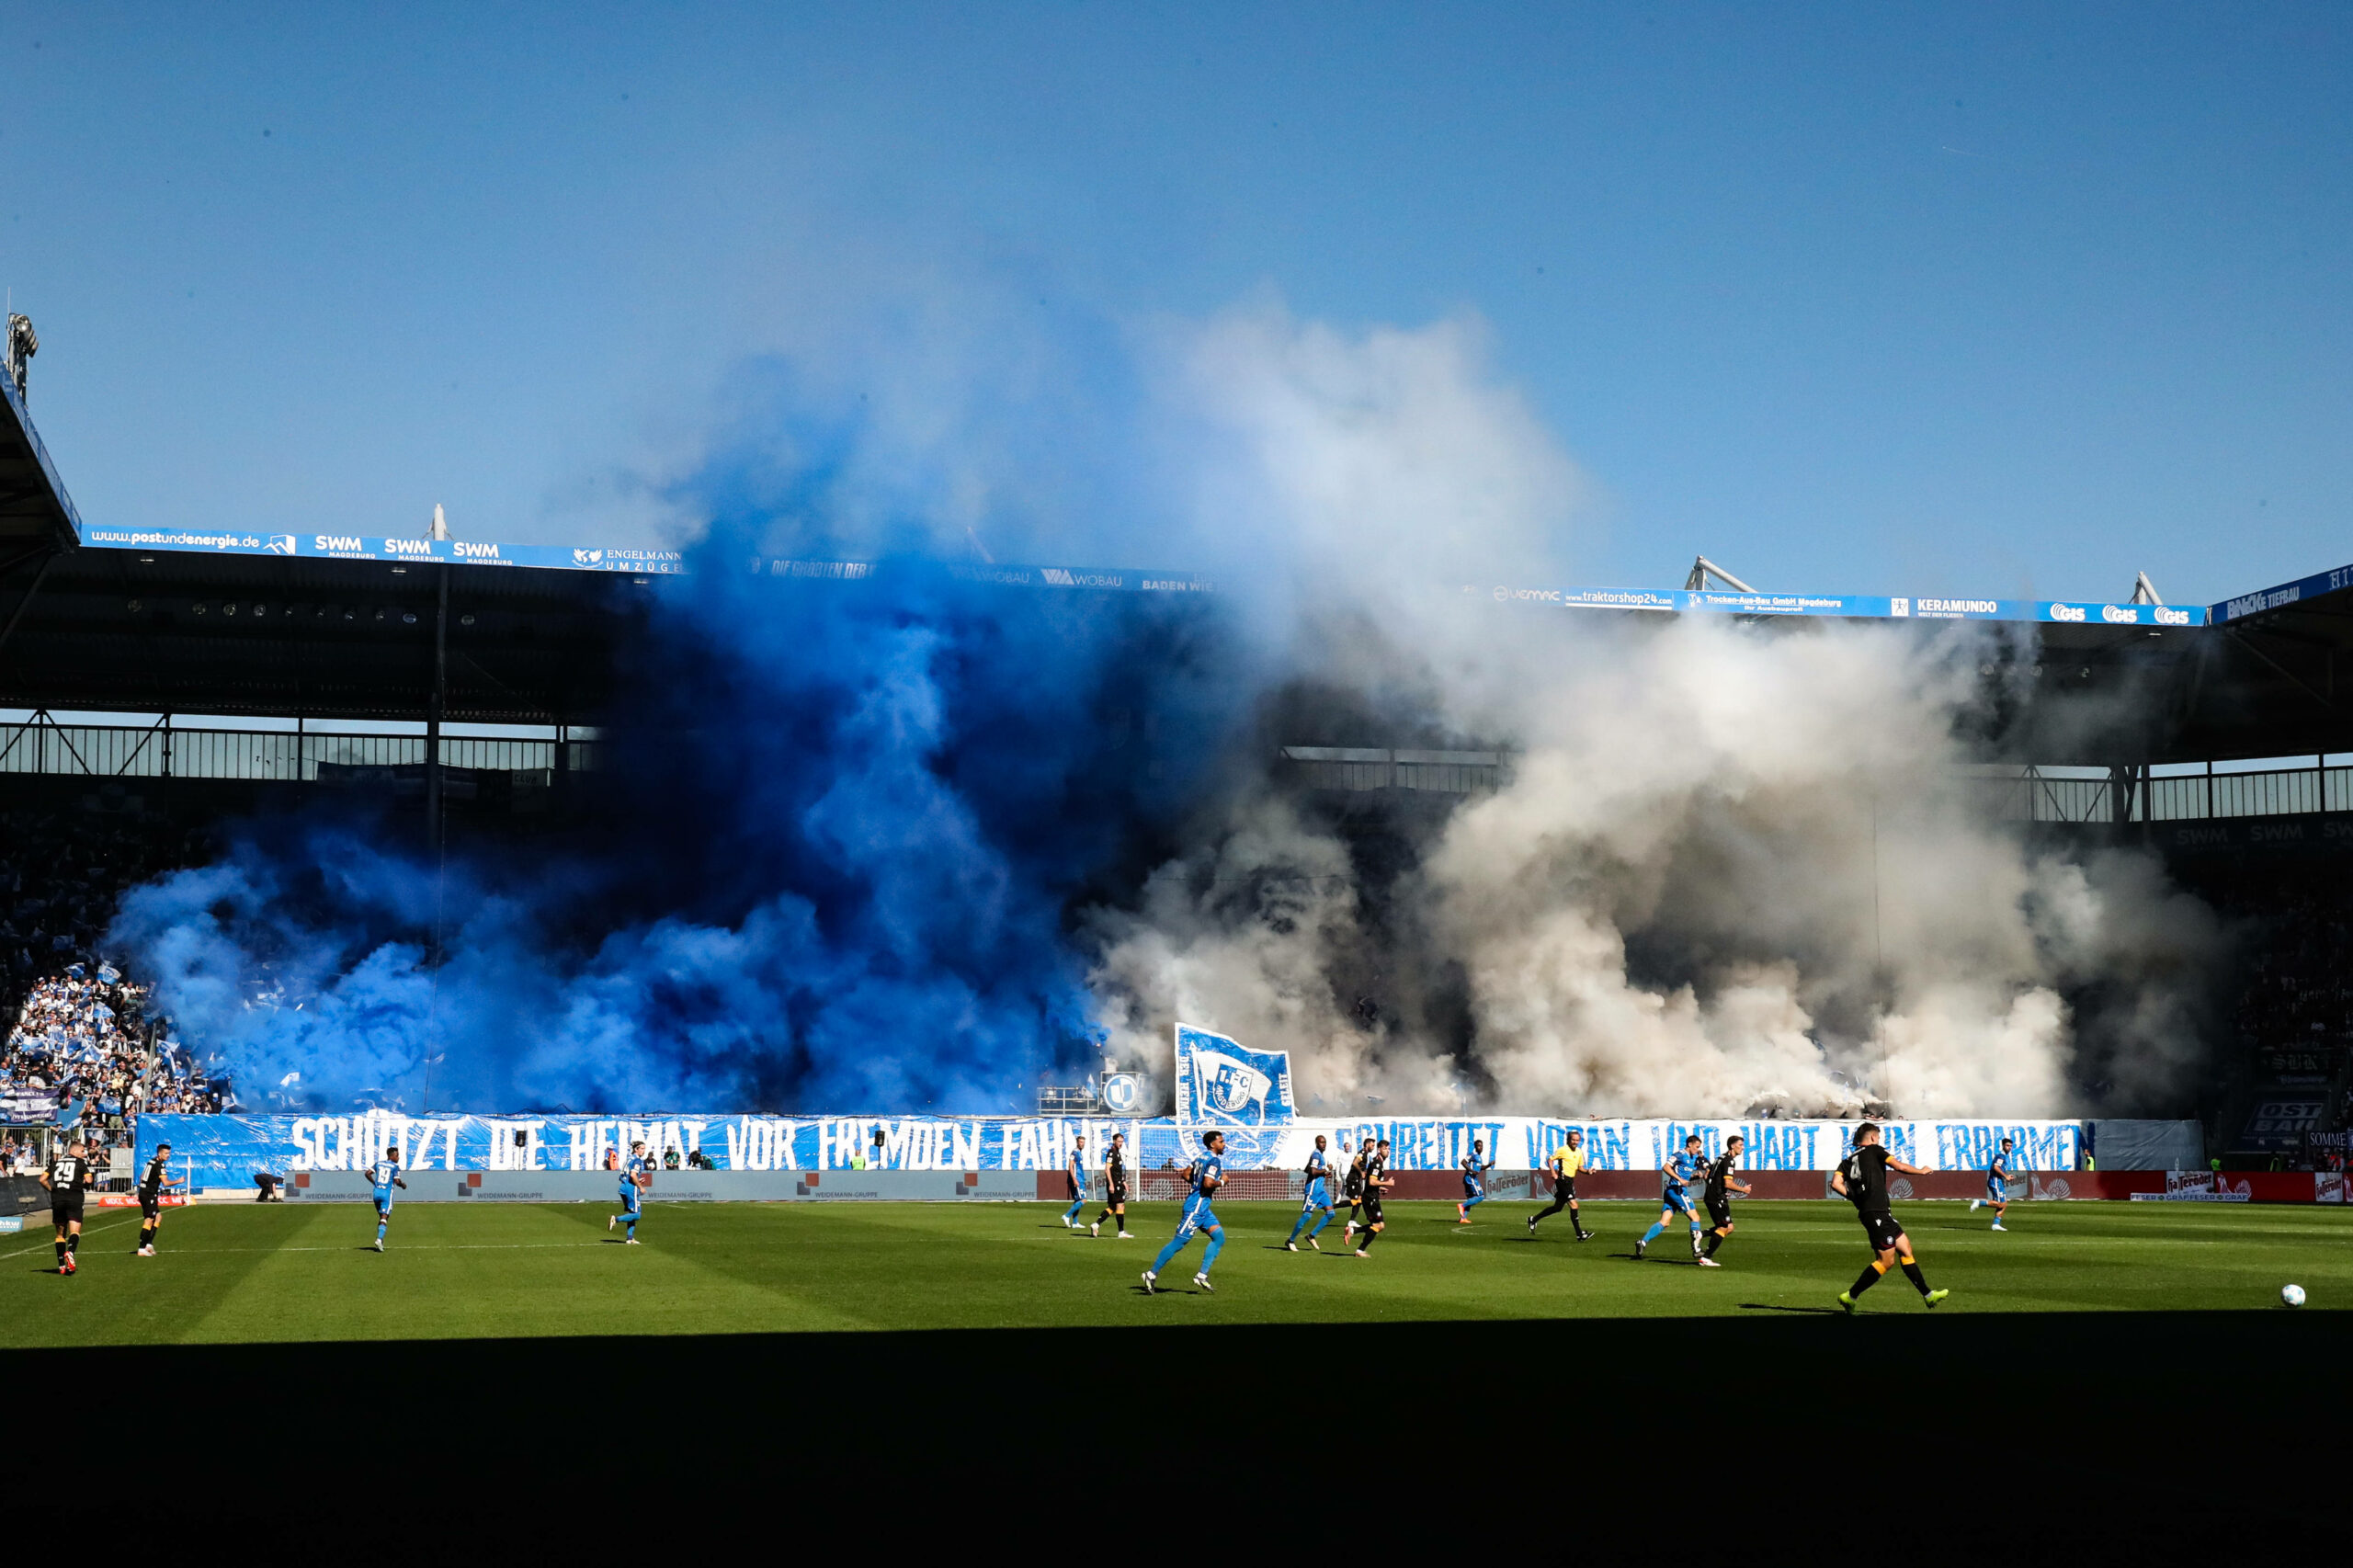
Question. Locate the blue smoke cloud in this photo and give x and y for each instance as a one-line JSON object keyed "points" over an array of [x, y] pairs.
{"points": [[843, 834]]}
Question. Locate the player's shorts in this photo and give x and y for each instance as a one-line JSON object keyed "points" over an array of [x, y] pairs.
{"points": [[383, 1201], [1719, 1210], [1882, 1229], [1565, 1191], [1318, 1196], [1353, 1190], [62, 1213], [1678, 1199], [1077, 1187], [1197, 1217], [1371, 1210], [1997, 1193], [150, 1206], [1115, 1194], [1471, 1188], [631, 1198]]}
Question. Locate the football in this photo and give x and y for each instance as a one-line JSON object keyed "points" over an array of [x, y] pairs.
{"points": [[2291, 1295]]}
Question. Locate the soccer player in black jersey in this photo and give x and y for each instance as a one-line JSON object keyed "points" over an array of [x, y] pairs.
{"points": [[1861, 1179], [1376, 1182], [1722, 1185], [67, 1178], [1352, 1189], [1115, 1188], [150, 1198]]}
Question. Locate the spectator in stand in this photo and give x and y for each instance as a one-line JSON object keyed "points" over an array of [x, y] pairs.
{"points": [[81, 1050]]}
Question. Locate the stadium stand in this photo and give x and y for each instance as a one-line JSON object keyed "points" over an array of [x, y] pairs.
{"points": [[84, 1051], [2279, 1100], [113, 643]]}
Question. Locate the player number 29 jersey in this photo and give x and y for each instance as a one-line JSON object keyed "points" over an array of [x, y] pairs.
{"points": [[66, 1173], [1208, 1171]]}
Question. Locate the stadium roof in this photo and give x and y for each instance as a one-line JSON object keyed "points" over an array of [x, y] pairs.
{"points": [[340, 625], [35, 512], [171, 632]]}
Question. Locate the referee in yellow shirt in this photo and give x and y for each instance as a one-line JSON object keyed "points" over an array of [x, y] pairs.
{"points": [[1567, 1160]]}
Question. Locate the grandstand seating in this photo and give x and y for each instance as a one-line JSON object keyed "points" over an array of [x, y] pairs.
{"points": [[2280, 1086], [2284, 1074], [80, 1045]]}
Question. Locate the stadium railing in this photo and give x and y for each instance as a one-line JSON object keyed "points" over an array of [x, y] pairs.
{"points": [[42, 746], [2033, 794]]}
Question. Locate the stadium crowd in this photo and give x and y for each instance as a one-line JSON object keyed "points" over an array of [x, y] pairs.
{"points": [[2291, 1024], [83, 1052]]}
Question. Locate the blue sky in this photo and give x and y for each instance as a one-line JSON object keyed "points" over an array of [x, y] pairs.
{"points": [[2001, 300]]}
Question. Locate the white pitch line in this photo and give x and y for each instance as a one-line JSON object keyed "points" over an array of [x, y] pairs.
{"points": [[421, 1246], [86, 1230]]}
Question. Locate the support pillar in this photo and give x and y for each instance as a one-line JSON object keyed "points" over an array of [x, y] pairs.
{"points": [[433, 711]]}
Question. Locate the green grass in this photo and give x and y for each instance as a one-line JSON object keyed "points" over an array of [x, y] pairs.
{"points": [[233, 1273]]}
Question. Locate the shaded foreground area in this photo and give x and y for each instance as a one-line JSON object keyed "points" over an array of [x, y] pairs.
{"points": [[2089, 1385], [289, 1273]]}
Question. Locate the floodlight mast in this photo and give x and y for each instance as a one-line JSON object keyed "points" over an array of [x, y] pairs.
{"points": [[2144, 591], [1702, 569]]}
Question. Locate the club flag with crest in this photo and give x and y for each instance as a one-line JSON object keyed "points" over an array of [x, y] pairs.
{"points": [[1222, 1084]]}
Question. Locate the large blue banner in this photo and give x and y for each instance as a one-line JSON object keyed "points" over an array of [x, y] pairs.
{"points": [[228, 1151]]}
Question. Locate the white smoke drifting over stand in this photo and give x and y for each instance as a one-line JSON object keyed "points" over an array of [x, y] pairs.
{"points": [[1731, 866]]}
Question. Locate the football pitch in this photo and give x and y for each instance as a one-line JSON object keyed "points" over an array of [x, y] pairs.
{"points": [[286, 1273]]}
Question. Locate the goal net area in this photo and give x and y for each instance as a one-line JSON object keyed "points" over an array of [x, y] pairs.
{"points": [[1172, 1187]]}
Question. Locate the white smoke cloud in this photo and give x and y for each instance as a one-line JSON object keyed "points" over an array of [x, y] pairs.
{"points": [[1732, 865]]}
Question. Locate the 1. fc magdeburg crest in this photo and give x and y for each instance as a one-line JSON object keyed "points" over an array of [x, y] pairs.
{"points": [[1222, 1084]]}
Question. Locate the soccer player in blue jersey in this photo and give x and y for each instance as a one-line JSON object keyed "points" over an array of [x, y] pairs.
{"points": [[384, 1176], [1681, 1169], [1997, 1186], [1208, 1174], [1076, 1168], [1319, 1196], [637, 1171], [1475, 1166]]}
